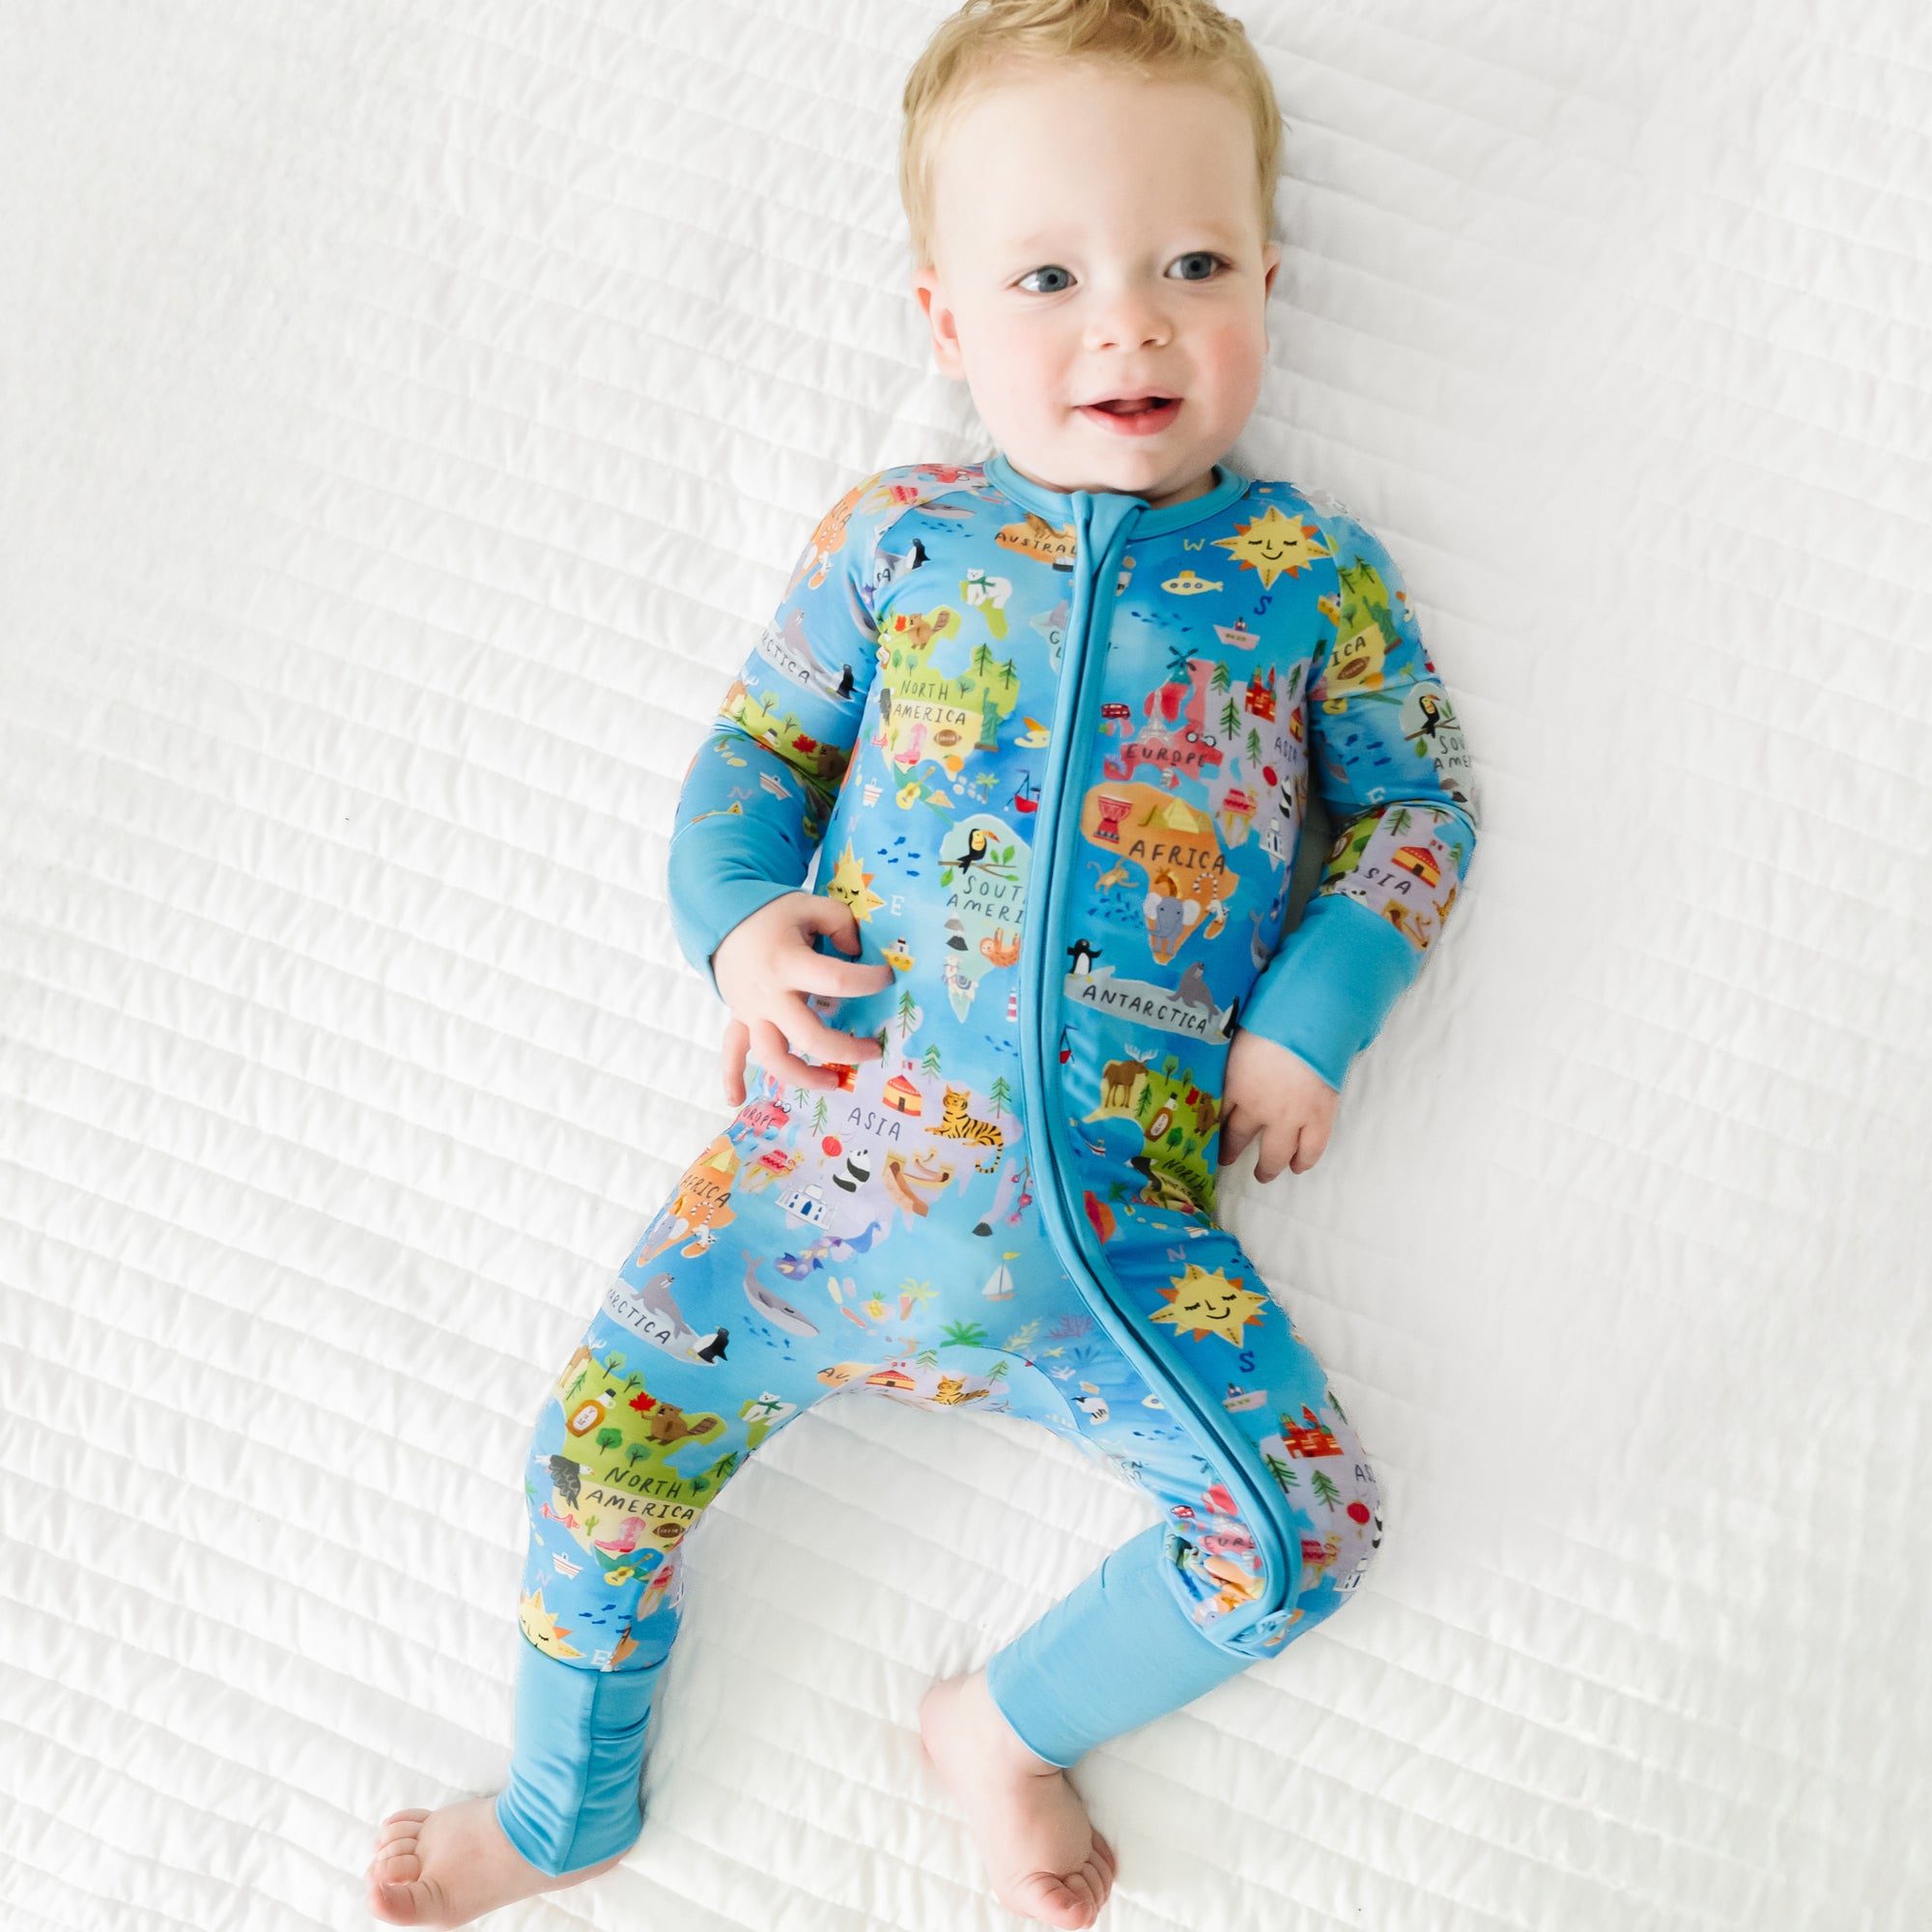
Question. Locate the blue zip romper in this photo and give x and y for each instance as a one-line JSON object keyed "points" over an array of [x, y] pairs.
{"points": [[1054, 751]]}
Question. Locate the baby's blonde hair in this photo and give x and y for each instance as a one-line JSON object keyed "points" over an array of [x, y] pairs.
{"points": [[1191, 39]]}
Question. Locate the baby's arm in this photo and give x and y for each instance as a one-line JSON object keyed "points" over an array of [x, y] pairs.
{"points": [[753, 806], [1386, 752]]}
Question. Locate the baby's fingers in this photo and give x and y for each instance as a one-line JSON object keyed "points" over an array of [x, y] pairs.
{"points": [[826, 914], [809, 1034], [1236, 1134], [808, 972], [769, 1050], [737, 1040], [1278, 1152], [1314, 1139]]}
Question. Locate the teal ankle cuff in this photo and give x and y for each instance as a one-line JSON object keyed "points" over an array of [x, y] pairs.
{"points": [[1116, 1653], [572, 1796]]}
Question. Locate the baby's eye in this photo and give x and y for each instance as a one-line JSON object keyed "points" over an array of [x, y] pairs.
{"points": [[1041, 282], [1197, 266]]}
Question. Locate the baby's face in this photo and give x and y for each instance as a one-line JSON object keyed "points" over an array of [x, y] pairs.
{"points": [[1098, 245]]}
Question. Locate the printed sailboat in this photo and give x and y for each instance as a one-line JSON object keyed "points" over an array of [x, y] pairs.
{"points": [[1000, 1283]]}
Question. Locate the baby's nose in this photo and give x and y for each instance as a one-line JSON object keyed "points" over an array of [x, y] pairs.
{"points": [[1127, 320]]}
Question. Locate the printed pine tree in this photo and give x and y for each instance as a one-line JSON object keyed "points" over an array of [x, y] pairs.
{"points": [[1231, 721], [1222, 677], [818, 1116], [1001, 1094], [1254, 746], [1280, 1470], [930, 1063], [1320, 1482]]}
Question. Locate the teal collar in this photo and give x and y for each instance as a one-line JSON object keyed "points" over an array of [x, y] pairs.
{"points": [[1057, 507]]}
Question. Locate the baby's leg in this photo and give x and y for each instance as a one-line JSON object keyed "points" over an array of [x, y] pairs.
{"points": [[690, 1361], [1178, 1609], [1045, 1859]]}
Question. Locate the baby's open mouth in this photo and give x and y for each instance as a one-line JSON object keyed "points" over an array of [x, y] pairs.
{"points": [[1132, 415]]}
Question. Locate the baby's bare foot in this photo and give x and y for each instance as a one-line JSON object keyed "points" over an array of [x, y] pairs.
{"points": [[1041, 1851], [449, 1866]]}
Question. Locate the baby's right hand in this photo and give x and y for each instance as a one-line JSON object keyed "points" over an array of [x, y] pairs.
{"points": [[763, 967]]}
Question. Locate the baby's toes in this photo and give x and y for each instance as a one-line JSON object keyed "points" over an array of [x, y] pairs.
{"points": [[1054, 1900], [397, 1862], [399, 1825]]}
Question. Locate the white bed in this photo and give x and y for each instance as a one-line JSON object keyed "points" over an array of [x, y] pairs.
{"points": [[410, 413]]}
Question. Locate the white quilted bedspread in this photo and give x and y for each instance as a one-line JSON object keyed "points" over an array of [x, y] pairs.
{"points": [[410, 412]]}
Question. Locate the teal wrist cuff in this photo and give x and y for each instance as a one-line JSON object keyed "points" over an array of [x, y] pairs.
{"points": [[1327, 993], [720, 872]]}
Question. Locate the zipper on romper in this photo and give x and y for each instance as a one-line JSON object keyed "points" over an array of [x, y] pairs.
{"points": [[1081, 671]]}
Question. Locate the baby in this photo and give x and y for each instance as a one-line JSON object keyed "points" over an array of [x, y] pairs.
{"points": [[1046, 725]]}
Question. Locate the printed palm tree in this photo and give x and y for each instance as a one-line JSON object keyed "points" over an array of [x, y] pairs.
{"points": [[962, 1335], [914, 1294], [1321, 1483]]}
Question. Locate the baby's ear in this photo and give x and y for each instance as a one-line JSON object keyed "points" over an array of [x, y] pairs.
{"points": [[930, 293], [1270, 262]]}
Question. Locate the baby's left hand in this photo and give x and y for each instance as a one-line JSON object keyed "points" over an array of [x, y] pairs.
{"points": [[1274, 1094]]}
